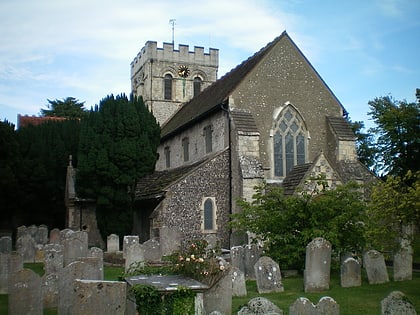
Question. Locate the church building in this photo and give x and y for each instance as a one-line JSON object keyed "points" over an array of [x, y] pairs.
{"points": [[272, 118]]}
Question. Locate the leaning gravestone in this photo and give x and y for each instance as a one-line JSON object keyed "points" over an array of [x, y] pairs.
{"points": [[350, 273], [219, 296], [134, 257], [26, 247], [403, 264], [5, 245], [169, 240], [302, 306], [49, 288], [151, 250], [99, 297], [317, 265], [113, 243], [374, 263], [25, 293], [260, 305], [396, 303], [252, 253], [128, 241], [267, 273], [238, 282]]}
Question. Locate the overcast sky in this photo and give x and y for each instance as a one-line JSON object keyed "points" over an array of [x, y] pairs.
{"points": [[53, 49]]}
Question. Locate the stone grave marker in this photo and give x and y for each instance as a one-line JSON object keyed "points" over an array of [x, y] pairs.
{"points": [[237, 258], [169, 240], [302, 306], [49, 288], [42, 235], [374, 263], [39, 253], [267, 273], [99, 297], [93, 270], [65, 234], [252, 253], [113, 243], [26, 247], [219, 296], [54, 236], [151, 250], [128, 241], [33, 231], [317, 265], [98, 253], [15, 263], [238, 282], [53, 258], [4, 272], [25, 293], [134, 257], [327, 306], [397, 303], [260, 305], [403, 264], [74, 249], [20, 231], [5, 245], [350, 273]]}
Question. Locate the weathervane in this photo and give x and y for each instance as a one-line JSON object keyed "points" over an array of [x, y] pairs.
{"points": [[172, 22]]}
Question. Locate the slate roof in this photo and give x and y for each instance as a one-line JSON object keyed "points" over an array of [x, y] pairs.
{"points": [[244, 121], [295, 177], [341, 128]]}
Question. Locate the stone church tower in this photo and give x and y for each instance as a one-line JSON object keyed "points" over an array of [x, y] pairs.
{"points": [[166, 77]]}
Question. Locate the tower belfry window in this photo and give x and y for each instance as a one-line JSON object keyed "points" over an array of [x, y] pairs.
{"points": [[197, 85], [167, 82]]}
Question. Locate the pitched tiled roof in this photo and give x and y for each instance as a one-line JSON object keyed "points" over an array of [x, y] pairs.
{"points": [[215, 95], [244, 121], [295, 177], [341, 128]]}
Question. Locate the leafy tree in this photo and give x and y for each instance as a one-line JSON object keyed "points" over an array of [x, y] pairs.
{"points": [[366, 151], [69, 107], [394, 207], [118, 146], [286, 224], [398, 135]]}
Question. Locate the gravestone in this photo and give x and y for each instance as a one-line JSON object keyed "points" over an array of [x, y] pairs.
{"points": [[238, 282], [33, 231], [403, 264], [53, 258], [169, 240], [302, 306], [98, 253], [83, 236], [39, 253], [49, 288], [5, 245], [25, 293], [374, 263], [350, 273], [129, 240], [134, 257], [397, 303], [4, 272], [151, 250], [317, 265], [327, 306], [65, 234], [42, 235], [26, 247], [237, 258], [55, 236], [113, 243], [267, 273], [74, 249], [20, 231], [260, 305], [15, 263], [93, 271], [219, 296], [99, 297], [252, 253]]}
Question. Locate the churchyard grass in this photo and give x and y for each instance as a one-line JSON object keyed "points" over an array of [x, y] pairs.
{"points": [[353, 301]]}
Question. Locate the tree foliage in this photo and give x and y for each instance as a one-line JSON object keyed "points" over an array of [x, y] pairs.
{"points": [[397, 134], [366, 151], [69, 107], [286, 224], [118, 146]]}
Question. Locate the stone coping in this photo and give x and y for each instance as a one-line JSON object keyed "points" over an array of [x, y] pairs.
{"points": [[167, 283]]}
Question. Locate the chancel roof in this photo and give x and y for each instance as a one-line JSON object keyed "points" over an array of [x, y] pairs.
{"points": [[341, 128], [295, 177]]}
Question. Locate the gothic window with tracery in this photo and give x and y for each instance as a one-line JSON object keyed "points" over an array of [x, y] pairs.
{"points": [[167, 81], [289, 142]]}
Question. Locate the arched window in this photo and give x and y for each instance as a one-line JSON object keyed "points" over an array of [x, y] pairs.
{"points": [[208, 138], [289, 141], [197, 85], [209, 214], [167, 87]]}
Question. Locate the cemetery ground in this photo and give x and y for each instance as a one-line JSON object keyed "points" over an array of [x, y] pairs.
{"points": [[353, 301]]}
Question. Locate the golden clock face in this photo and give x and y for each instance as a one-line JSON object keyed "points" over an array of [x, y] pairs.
{"points": [[183, 71]]}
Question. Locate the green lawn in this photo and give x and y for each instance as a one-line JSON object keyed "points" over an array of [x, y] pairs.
{"points": [[353, 301]]}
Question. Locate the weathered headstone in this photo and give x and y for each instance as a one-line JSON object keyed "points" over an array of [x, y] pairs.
{"points": [[327, 306], [53, 258], [396, 303], [260, 305], [134, 257], [267, 273], [33, 231], [26, 247], [49, 287], [93, 271], [55, 236], [238, 282], [128, 241], [219, 296], [98, 253], [39, 253], [25, 293], [252, 253], [74, 249], [20, 231], [169, 240], [151, 250], [113, 243], [302, 306], [350, 273], [15, 263], [99, 297], [237, 258], [4, 272], [42, 235], [65, 234], [317, 265], [403, 264], [374, 263], [5, 244]]}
